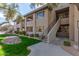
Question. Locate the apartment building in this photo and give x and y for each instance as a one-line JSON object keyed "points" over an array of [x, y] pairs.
{"points": [[62, 21], [42, 19], [37, 21]]}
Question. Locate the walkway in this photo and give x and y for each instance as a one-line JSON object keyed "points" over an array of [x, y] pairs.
{"points": [[45, 49], [59, 41]]}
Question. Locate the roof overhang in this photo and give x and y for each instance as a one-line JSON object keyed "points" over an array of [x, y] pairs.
{"points": [[62, 10], [36, 10], [59, 9]]}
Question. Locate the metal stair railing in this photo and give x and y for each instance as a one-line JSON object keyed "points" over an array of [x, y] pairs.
{"points": [[47, 30]]}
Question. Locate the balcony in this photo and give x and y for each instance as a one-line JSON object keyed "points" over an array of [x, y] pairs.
{"points": [[29, 20], [29, 23], [17, 25]]}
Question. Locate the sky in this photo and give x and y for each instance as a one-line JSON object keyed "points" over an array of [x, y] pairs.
{"points": [[24, 8]]}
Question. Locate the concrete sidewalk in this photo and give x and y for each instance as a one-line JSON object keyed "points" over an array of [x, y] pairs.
{"points": [[45, 49]]}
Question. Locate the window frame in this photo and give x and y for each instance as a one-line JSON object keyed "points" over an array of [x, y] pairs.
{"points": [[38, 16]]}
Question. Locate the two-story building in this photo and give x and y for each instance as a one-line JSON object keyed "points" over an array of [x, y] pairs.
{"points": [[61, 21]]}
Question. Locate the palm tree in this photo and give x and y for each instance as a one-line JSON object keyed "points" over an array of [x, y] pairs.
{"points": [[3, 6], [19, 19], [52, 5], [10, 12]]}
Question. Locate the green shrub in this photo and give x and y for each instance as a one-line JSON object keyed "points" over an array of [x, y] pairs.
{"points": [[36, 35], [67, 43], [20, 32], [16, 32], [32, 35]]}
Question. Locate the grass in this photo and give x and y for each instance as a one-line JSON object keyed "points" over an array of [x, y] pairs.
{"points": [[16, 49]]}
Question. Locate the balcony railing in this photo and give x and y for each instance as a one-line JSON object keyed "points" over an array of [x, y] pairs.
{"points": [[29, 23]]}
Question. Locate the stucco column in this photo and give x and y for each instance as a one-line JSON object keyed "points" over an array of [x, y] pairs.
{"points": [[25, 23], [76, 29], [71, 22], [34, 24], [46, 20], [53, 16], [73, 26], [14, 26]]}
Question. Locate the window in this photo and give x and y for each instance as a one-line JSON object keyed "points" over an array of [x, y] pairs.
{"points": [[29, 29], [40, 14]]}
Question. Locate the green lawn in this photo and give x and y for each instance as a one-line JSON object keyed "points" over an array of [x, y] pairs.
{"points": [[16, 49]]}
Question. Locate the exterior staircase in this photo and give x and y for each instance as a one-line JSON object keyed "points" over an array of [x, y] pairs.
{"points": [[49, 33]]}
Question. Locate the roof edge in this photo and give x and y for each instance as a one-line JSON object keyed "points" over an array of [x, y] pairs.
{"points": [[42, 7]]}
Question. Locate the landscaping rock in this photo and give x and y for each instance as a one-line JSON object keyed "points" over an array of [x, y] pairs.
{"points": [[11, 40]]}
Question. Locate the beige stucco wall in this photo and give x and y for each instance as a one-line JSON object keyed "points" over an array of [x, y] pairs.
{"points": [[52, 17], [76, 18], [71, 22], [44, 21]]}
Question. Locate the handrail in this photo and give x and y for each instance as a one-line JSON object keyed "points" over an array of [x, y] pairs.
{"points": [[46, 33], [54, 26], [52, 34], [47, 29]]}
